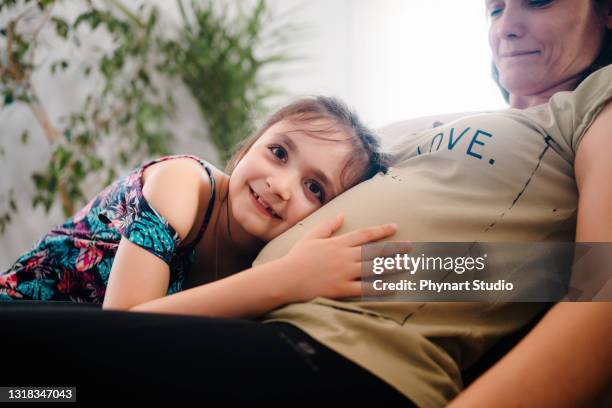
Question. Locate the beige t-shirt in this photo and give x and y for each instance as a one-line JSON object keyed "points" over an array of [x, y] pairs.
{"points": [[491, 177]]}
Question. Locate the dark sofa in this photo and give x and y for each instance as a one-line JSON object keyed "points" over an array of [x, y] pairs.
{"points": [[133, 361]]}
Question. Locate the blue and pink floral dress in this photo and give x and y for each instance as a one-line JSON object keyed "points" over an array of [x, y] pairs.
{"points": [[72, 262]]}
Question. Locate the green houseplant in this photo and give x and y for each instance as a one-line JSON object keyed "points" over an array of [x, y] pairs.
{"points": [[217, 51]]}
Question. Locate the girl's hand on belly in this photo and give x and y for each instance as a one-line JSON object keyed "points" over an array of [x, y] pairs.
{"points": [[323, 266]]}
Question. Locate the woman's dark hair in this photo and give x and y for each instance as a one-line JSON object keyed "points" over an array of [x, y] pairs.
{"points": [[366, 158], [603, 59]]}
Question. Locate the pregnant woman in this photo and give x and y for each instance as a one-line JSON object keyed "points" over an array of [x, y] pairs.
{"points": [[538, 171]]}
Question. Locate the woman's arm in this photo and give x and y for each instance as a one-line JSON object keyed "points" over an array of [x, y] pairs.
{"points": [[566, 360]]}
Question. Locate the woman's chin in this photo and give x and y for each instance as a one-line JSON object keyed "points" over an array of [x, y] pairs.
{"points": [[522, 86]]}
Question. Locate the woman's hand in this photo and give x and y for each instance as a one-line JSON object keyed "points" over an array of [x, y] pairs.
{"points": [[323, 266]]}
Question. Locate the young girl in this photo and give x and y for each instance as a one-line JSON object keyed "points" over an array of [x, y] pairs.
{"points": [[176, 224]]}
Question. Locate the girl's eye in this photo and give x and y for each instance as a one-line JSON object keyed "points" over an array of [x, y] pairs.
{"points": [[279, 153], [315, 188]]}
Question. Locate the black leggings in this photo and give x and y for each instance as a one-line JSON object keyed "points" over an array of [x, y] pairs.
{"points": [[117, 356]]}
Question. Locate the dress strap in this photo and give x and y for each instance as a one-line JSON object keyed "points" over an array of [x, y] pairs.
{"points": [[211, 204]]}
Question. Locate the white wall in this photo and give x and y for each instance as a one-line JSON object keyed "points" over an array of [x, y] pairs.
{"points": [[389, 59], [397, 59]]}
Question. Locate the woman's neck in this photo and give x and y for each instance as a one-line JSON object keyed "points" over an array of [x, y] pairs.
{"points": [[527, 101]]}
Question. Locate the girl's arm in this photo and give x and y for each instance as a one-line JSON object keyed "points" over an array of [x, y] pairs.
{"points": [[179, 190], [252, 292], [317, 265], [566, 360]]}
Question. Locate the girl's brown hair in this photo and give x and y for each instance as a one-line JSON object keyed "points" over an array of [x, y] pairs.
{"points": [[365, 160]]}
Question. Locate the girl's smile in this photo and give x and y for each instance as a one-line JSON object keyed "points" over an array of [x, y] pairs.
{"points": [[263, 207]]}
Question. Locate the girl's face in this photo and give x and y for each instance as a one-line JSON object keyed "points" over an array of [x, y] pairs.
{"points": [[285, 176], [543, 44]]}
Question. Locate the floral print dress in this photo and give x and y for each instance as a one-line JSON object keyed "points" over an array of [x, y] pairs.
{"points": [[72, 262]]}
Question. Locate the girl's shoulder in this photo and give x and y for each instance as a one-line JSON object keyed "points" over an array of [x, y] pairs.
{"points": [[130, 186], [179, 163], [155, 206], [179, 190]]}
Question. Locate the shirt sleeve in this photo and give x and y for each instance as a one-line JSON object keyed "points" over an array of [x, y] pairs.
{"points": [[594, 96], [131, 215], [584, 104], [569, 114]]}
